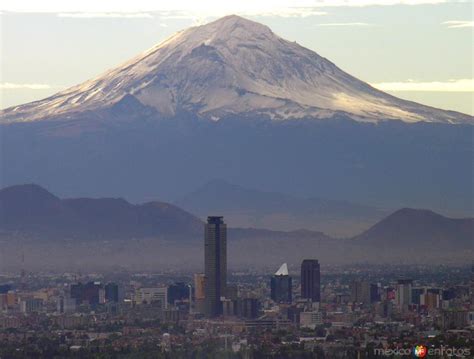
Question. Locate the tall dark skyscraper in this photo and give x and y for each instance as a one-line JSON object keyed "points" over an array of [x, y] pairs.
{"points": [[215, 265], [112, 292], [472, 286], [310, 280], [280, 285]]}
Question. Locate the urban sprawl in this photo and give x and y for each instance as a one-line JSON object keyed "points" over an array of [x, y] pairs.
{"points": [[298, 312]]}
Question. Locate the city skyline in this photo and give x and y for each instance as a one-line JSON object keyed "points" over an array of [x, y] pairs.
{"points": [[140, 308], [159, 312], [240, 180]]}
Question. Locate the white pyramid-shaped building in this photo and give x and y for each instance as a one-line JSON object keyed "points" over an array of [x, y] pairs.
{"points": [[283, 270]]}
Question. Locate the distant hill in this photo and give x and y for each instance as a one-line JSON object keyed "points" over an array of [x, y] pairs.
{"points": [[158, 234], [406, 236], [245, 207], [31, 209], [268, 234], [418, 228]]}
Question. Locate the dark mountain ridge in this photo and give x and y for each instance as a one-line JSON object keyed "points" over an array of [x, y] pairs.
{"points": [[415, 228], [110, 232], [30, 209]]}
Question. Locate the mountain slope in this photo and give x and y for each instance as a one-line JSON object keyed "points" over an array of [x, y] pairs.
{"points": [[421, 229], [232, 66], [141, 131], [263, 209], [30, 209], [30, 212]]}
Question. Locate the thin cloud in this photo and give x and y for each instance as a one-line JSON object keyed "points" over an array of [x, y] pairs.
{"points": [[200, 8], [202, 16], [16, 86], [363, 3], [345, 24], [460, 85], [456, 24], [291, 12], [106, 15]]}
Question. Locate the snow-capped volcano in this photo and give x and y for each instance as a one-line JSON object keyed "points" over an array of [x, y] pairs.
{"points": [[233, 66]]}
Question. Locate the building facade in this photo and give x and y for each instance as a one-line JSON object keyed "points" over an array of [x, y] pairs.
{"points": [[112, 292], [403, 295], [363, 292], [310, 280], [281, 286], [178, 292], [215, 265], [153, 296]]}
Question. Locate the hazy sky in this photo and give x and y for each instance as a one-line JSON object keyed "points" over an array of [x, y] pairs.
{"points": [[416, 49]]}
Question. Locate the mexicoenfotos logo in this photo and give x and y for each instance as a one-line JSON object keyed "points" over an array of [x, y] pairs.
{"points": [[420, 351]]}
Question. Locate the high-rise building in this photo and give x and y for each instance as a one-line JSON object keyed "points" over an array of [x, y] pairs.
{"points": [[66, 304], [232, 292], [112, 292], [310, 280], [360, 292], [152, 296], [199, 292], [215, 263], [91, 293], [417, 294], [472, 286], [29, 305], [249, 308], [374, 293], [280, 285], [199, 284], [364, 292], [403, 294], [177, 292], [430, 299], [228, 307], [11, 299], [76, 292], [5, 288]]}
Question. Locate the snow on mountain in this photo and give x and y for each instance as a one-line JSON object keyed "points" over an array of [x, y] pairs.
{"points": [[233, 66]]}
